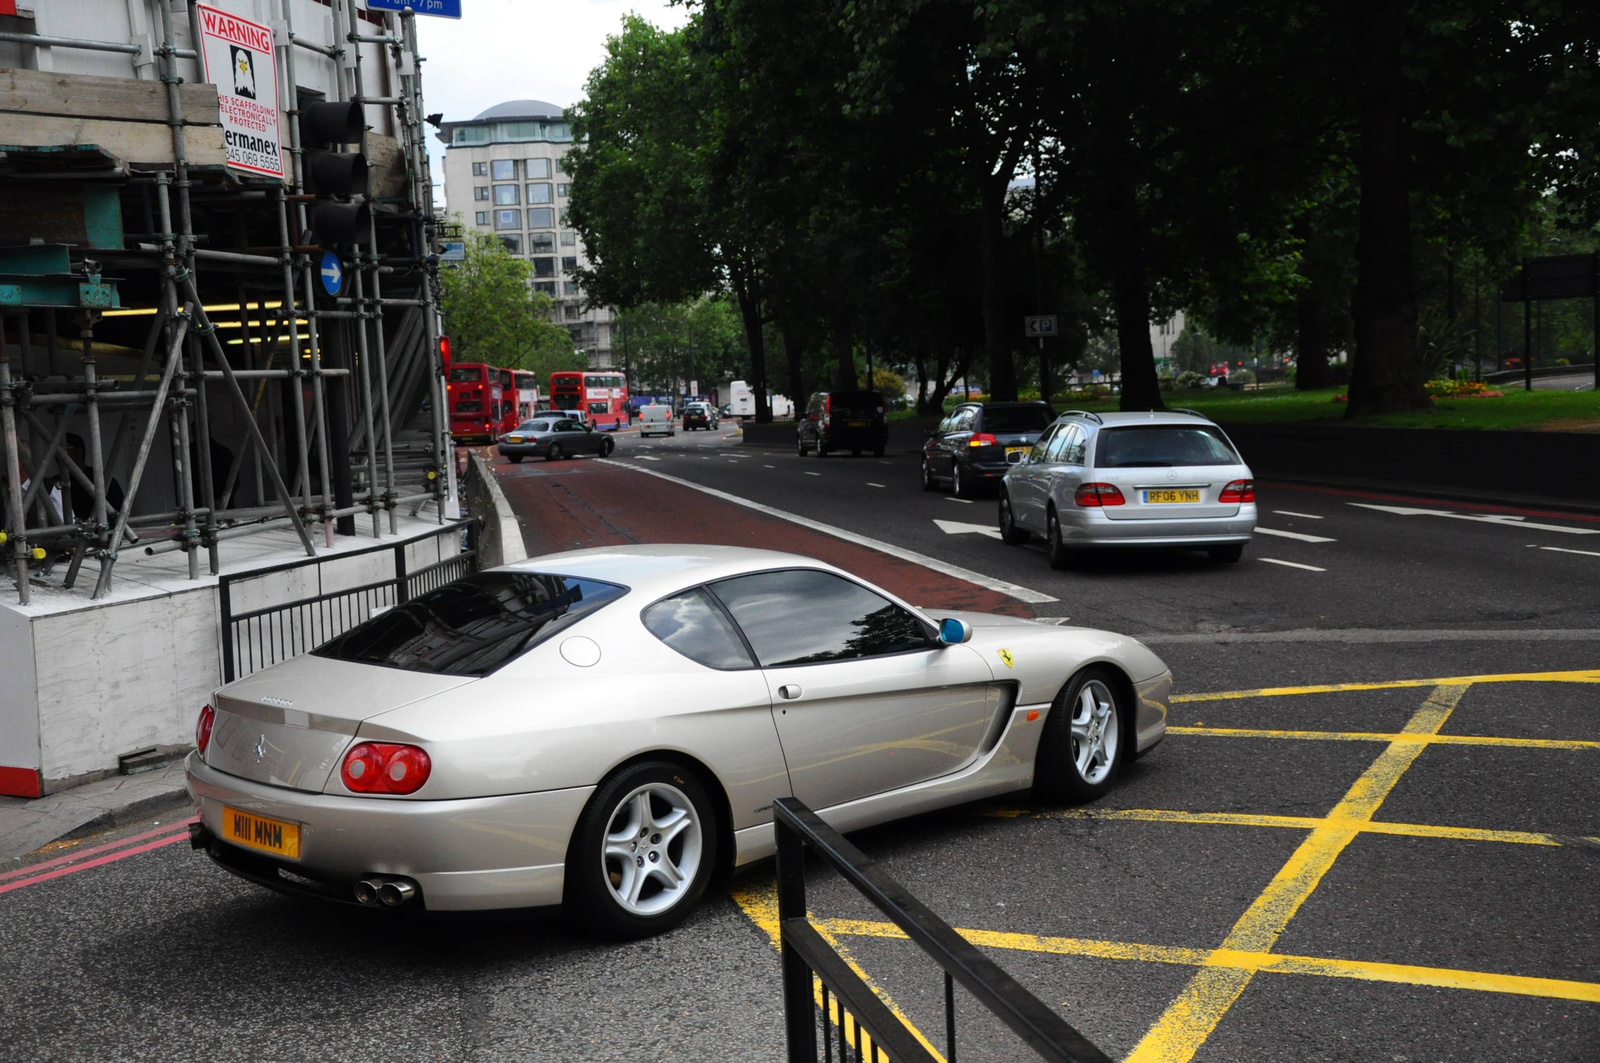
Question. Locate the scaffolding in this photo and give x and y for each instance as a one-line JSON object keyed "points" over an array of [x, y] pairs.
{"points": [[235, 381]]}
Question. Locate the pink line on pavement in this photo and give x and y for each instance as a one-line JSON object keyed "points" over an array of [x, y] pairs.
{"points": [[33, 869], [58, 872]]}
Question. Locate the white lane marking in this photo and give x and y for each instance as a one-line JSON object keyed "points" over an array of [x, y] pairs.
{"points": [[1021, 594], [813, 474], [1301, 536], [885, 463], [1268, 560], [871, 484], [769, 466], [645, 457], [1505, 520], [1292, 513], [1564, 550], [953, 498], [956, 527]]}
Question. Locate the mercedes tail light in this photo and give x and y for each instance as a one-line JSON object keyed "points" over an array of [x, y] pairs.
{"points": [[983, 439], [202, 728], [1098, 494], [385, 768], [1238, 491]]}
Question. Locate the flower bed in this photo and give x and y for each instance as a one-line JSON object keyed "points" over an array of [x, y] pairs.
{"points": [[1450, 389]]}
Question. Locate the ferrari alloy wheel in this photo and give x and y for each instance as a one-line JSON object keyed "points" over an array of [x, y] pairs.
{"points": [[1083, 745], [644, 850]]}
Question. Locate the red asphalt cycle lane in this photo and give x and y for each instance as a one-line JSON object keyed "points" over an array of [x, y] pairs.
{"points": [[579, 503]]}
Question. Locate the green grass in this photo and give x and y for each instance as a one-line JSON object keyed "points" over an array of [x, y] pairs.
{"points": [[1516, 410]]}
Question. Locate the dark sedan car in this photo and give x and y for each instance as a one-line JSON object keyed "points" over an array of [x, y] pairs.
{"points": [[843, 420], [700, 415], [552, 437], [970, 445]]}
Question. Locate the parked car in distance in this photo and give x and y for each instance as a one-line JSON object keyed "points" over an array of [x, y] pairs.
{"points": [[969, 447], [656, 420], [406, 766], [1170, 479], [554, 437], [700, 415], [843, 420]]}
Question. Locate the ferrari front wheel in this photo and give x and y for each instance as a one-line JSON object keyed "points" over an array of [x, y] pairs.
{"points": [[1085, 740]]}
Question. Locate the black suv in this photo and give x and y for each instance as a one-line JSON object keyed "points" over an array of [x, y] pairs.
{"points": [[700, 415], [970, 445], [843, 420]]}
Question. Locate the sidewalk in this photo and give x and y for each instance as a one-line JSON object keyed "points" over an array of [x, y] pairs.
{"points": [[25, 824]]}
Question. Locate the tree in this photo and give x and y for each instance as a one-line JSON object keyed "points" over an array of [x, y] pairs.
{"points": [[674, 343], [495, 317]]}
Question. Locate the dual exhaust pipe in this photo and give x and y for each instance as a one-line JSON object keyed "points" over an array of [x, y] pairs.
{"points": [[385, 891]]}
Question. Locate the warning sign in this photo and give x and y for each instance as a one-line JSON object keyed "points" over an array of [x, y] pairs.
{"points": [[240, 62]]}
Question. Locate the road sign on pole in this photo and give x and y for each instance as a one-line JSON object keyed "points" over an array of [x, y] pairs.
{"points": [[1039, 326], [440, 8]]}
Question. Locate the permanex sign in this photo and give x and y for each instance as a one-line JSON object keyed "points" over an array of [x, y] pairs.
{"points": [[238, 59]]}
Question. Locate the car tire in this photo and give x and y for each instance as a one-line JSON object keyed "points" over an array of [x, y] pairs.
{"points": [[1055, 551], [822, 451], [1226, 554], [877, 452], [554, 453], [607, 446], [1085, 740], [928, 482], [1010, 532], [957, 488], [620, 866], [801, 444], [515, 459]]}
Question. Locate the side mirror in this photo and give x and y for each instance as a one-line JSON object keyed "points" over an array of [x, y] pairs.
{"points": [[953, 632], [1016, 457]]}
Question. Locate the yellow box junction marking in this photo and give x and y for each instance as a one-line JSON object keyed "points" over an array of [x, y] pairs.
{"points": [[1379, 736], [1590, 675]]}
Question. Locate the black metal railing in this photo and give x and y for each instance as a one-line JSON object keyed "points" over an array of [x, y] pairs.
{"points": [[258, 638], [851, 1013]]}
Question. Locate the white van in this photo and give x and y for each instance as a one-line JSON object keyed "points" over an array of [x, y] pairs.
{"points": [[656, 420]]}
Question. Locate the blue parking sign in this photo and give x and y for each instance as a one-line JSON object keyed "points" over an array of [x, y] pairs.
{"points": [[439, 8]]}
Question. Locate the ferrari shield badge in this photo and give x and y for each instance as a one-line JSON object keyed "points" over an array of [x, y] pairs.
{"points": [[1005, 655]]}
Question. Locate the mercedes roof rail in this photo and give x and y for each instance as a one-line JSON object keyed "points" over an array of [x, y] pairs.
{"points": [[1095, 417], [1185, 409]]}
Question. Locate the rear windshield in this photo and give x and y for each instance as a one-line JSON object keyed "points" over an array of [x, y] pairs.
{"points": [[855, 400], [534, 426], [466, 375], [1017, 418], [474, 625], [1163, 444]]}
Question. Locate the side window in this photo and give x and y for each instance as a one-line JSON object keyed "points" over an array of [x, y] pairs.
{"points": [[1041, 446], [562, 426], [1077, 448], [966, 420], [802, 616], [947, 425], [696, 628], [1058, 445]]}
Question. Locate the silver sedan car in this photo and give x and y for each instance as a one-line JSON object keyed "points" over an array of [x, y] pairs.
{"points": [[608, 729], [1170, 479], [552, 437]]}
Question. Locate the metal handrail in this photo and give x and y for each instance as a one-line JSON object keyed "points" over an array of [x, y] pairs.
{"points": [[797, 827]]}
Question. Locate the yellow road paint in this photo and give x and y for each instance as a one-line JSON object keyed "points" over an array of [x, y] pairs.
{"points": [[1189, 1020], [1380, 736], [760, 905], [1584, 676]]}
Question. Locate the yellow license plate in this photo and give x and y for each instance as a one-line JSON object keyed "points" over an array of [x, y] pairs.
{"points": [[259, 832], [1018, 450], [513, 439], [1189, 494], [855, 424]]}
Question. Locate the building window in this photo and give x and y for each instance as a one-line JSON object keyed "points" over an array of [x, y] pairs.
{"points": [[542, 243], [563, 191], [504, 169], [539, 193], [569, 262], [565, 216], [483, 217], [513, 243], [470, 135], [544, 267], [481, 193], [572, 311], [569, 239], [545, 287], [573, 289], [508, 219], [505, 195], [541, 218], [480, 169], [538, 169]]}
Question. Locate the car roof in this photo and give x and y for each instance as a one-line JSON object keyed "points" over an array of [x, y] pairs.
{"points": [[1120, 418], [656, 569], [1010, 404]]}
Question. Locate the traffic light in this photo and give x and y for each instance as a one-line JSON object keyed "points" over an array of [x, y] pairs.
{"points": [[337, 178], [444, 351]]}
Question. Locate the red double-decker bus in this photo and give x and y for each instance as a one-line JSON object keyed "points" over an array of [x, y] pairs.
{"points": [[483, 403], [603, 397]]}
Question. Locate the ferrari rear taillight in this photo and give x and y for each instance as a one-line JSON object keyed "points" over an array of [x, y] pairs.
{"points": [[1238, 491], [1098, 494], [202, 728], [983, 439], [385, 768]]}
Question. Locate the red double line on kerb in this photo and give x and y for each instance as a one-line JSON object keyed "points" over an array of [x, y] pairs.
{"points": [[75, 862]]}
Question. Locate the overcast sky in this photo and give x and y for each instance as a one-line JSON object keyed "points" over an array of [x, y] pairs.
{"points": [[520, 49]]}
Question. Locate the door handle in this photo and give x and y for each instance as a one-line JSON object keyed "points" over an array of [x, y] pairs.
{"points": [[789, 691]]}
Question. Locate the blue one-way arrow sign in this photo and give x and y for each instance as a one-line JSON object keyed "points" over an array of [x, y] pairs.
{"points": [[332, 273], [440, 8]]}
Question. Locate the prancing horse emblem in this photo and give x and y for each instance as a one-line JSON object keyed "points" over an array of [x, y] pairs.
{"points": [[261, 748], [1005, 655]]}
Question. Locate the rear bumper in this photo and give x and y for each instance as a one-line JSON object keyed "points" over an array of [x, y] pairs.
{"points": [[521, 450], [476, 853], [1086, 526]]}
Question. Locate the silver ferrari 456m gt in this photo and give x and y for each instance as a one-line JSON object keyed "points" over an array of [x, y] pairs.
{"points": [[608, 729]]}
